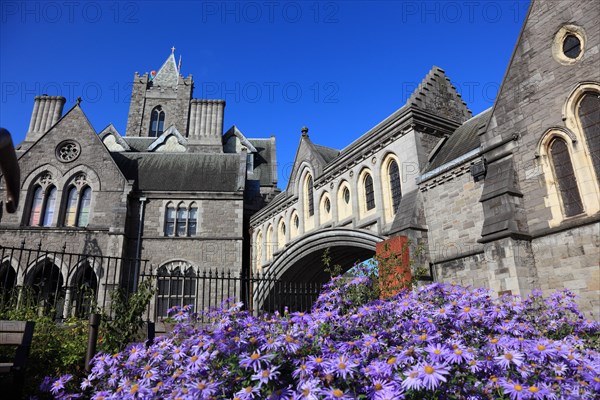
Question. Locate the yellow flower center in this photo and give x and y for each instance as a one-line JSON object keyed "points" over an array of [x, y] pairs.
{"points": [[467, 309], [305, 392], [265, 373], [194, 358], [458, 352], [134, 389], [423, 336], [391, 360], [342, 365], [508, 356], [518, 388], [248, 389], [429, 369], [255, 356], [338, 393], [378, 386], [318, 360], [534, 389], [541, 347], [437, 351]]}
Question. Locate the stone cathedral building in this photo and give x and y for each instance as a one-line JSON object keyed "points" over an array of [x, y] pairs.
{"points": [[507, 199]]}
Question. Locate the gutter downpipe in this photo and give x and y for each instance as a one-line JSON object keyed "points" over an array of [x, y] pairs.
{"points": [[138, 249]]}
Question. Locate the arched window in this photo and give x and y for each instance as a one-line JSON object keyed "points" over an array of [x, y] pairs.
{"points": [[85, 286], [36, 206], [369, 192], [43, 201], [170, 221], [83, 213], [394, 181], [294, 225], [589, 116], [344, 205], [310, 204], [157, 122], [46, 283], [77, 209], [192, 220], [176, 283], [281, 235], [270, 243], [565, 178], [181, 220], [8, 279], [258, 256], [325, 208], [48, 211]]}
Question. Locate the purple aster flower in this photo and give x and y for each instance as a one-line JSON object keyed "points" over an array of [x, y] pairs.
{"points": [[281, 394], [432, 375], [266, 375], [412, 380], [515, 390], [341, 366], [458, 355], [308, 390], [336, 394], [509, 357], [437, 351], [248, 393], [256, 361]]}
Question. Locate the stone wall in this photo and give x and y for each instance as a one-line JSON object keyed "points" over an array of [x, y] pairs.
{"points": [[571, 259]]}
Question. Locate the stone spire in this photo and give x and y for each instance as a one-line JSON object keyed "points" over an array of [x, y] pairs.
{"points": [[167, 75]]}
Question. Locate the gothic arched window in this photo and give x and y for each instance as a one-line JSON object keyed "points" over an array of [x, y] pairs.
{"points": [[396, 191], [43, 201], [79, 199], [565, 178], [157, 122], [176, 283], [310, 204], [369, 192], [589, 117]]}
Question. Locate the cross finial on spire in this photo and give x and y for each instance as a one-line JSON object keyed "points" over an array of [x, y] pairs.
{"points": [[172, 49]]}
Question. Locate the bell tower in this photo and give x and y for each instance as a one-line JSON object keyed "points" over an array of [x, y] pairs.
{"points": [[159, 100]]}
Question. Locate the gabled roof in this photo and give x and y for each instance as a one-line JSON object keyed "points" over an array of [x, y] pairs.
{"points": [[167, 74], [234, 131], [437, 95], [181, 171], [111, 131], [464, 139], [317, 156], [171, 131], [264, 169], [138, 143], [327, 153]]}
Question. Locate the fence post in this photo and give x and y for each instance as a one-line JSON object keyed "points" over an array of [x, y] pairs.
{"points": [[92, 339]]}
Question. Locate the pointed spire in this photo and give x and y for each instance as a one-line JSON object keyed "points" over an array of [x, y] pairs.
{"points": [[167, 74]]}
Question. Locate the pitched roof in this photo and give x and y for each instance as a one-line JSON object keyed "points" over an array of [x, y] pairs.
{"points": [[263, 170], [464, 139], [167, 75], [181, 171], [437, 95], [138, 143], [327, 153]]}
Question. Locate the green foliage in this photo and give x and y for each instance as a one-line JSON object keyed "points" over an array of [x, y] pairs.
{"points": [[125, 324], [332, 270]]}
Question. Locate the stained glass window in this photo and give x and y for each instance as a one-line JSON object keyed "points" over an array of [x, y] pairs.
{"points": [[83, 214], [71, 211], [36, 206], [49, 207]]}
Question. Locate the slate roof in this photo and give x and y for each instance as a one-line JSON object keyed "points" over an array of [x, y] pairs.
{"points": [[329, 154], [181, 171], [464, 139], [139, 143], [263, 170]]}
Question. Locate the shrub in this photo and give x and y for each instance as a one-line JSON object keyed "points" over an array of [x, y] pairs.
{"points": [[438, 342]]}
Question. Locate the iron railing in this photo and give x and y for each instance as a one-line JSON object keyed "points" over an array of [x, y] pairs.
{"points": [[64, 284]]}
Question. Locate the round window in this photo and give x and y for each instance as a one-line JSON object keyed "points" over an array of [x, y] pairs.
{"points": [[68, 151], [572, 46], [346, 195], [568, 45]]}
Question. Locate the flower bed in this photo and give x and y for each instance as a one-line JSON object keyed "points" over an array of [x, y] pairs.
{"points": [[438, 342]]}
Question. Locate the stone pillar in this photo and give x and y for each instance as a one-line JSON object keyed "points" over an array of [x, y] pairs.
{"points": [[393, 260], [47, 110]]}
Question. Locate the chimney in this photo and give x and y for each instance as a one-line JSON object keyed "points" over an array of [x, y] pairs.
{"points": [[206, 122], [47, 110]]}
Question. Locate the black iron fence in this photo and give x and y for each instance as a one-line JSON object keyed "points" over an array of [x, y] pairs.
{"points": [[64, 284]]}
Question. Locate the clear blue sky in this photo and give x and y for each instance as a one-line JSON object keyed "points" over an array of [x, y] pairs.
{"points": [[337, 67]]}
